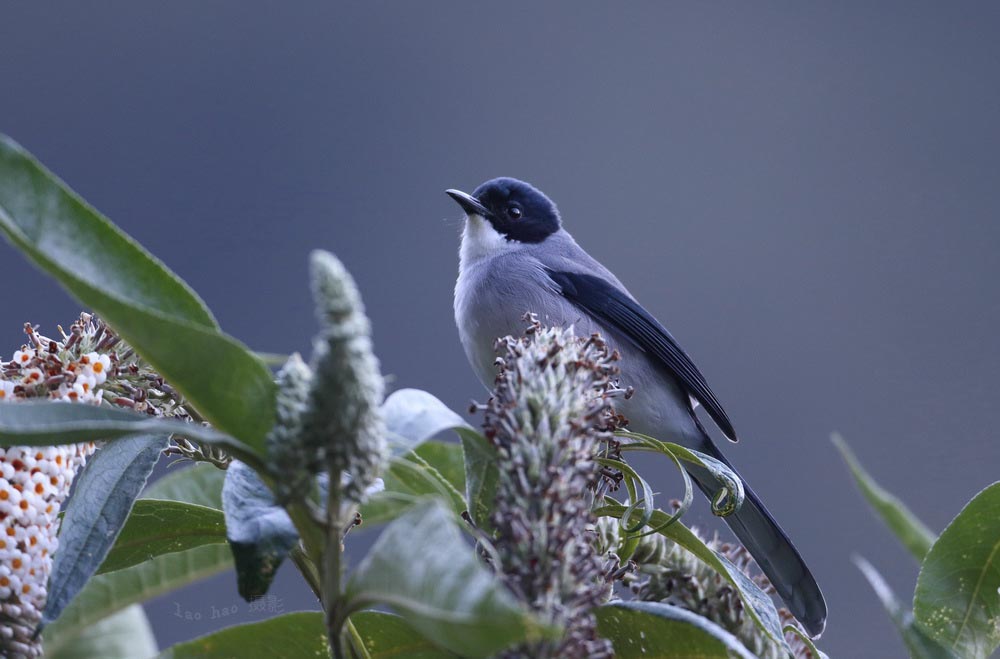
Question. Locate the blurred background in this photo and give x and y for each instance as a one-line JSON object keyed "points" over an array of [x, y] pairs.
{"points": [[806, 195]]}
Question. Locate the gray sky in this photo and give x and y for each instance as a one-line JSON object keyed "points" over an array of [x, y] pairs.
{"points": [[806, 195]]}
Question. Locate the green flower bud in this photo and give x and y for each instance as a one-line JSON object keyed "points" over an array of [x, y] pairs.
{"points": [[292, 462], [342, 423]]}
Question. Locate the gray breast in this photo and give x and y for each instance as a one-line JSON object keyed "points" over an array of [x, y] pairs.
{"points": [[491, 299]]}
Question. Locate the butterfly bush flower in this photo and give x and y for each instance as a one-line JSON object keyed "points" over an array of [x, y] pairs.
{"points": [[90, 365], [666, 572], [545, 419]]}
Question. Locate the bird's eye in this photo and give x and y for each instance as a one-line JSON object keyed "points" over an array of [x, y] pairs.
{"points": [[514, 212]]}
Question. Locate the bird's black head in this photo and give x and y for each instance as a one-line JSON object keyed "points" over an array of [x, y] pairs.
{"points": [[515, 209]]}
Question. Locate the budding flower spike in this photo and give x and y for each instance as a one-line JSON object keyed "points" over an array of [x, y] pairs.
{"points": [[292, 460], [342, 424], [547, 419]]}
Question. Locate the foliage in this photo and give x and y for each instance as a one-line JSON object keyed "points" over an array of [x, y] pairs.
{"points": [[654, 629], [307, 456], [956, 606], [96, 514], [913, 533]]}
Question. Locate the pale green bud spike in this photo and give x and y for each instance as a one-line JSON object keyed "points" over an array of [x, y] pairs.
{"points": [[292, 462], [338, 302], [342, 421]]}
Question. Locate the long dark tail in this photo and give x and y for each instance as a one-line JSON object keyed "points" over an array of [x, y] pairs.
{"points": [[771, 548]]}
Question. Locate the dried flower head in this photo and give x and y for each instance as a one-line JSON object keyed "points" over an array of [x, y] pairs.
{"points": [[666, 572], [547, 420], [343, 423]]}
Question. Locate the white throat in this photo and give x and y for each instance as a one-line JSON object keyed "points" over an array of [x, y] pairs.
{"points": [[481, 242]]}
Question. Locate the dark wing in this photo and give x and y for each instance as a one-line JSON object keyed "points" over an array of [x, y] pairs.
{"points": [[602, 300]]}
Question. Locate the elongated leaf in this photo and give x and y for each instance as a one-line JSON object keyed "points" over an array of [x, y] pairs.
{"points": [[646, 630], [421, 567], [447, 459], [123, 635], [415, 475], [914, 535], [200, 484], [260, 532], [481, 474], [806, 640], [50, 423], [62, 227], [107, 593], [149, 306], [387, 636], [291, 635], [758, 604], [413, 416], [919, 644], [957, 601], [715, 468], [96, 512], [163, 527]]}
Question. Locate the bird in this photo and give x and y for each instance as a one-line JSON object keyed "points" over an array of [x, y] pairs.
{"points": [[516, 258]]}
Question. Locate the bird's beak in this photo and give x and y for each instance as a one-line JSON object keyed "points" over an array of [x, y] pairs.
{"points": [[469, 204]]}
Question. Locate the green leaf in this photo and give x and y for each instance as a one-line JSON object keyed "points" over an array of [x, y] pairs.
{"points": [[716, 469], [59, 226], [260, 532], [107, 593], [149, 306], [758, 604], [421, 567], [413, 416], [290, 635], [651, 630], [163, 527], [50, 423], [914, 535], [95, 514], [416, 475], [123, 635], [806, 640], [481, 475], [447, 459], [919, 644], [385, 636], [957, 601], [200, 484]]}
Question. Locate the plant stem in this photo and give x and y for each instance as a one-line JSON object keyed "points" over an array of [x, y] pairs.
{"points": [[357, 643], [308, 570], [331, 565], [312, 536]]}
